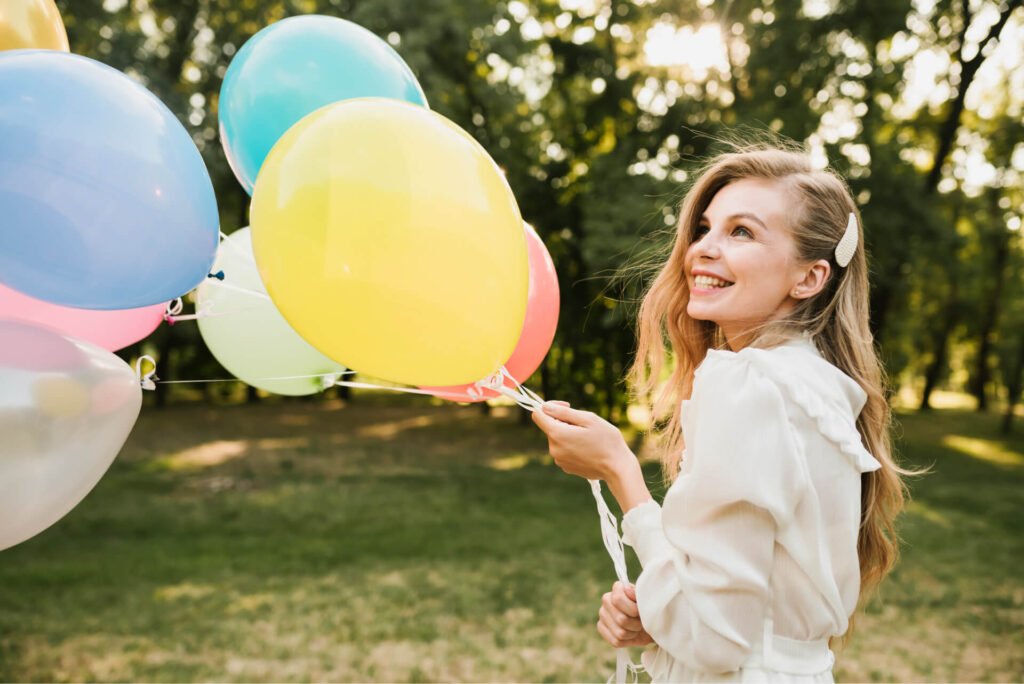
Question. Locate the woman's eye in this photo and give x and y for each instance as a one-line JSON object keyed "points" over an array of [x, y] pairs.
{"points": [[742, 231], [701, 232]]}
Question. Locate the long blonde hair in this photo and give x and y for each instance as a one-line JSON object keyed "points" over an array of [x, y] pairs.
{"points": [[837, 317]]}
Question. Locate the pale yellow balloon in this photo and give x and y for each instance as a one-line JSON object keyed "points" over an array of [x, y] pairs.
{"points": [[390, 240], [31, 24], [58, 396]]}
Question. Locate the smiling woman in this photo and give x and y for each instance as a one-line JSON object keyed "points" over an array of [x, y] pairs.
{"points": [[784, 491]]}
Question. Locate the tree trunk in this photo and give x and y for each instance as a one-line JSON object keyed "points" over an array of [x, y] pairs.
{"points": [[946, 138], [938, 364], [990, 317], [968, 70], [1014, 388]]}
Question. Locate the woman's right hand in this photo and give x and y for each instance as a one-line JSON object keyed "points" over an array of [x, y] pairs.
{"points": [[619, 622]]}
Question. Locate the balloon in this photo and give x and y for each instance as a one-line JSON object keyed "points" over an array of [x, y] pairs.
{"points": [[31, 24], [538, 328], [294, 67], [391, 242], [111, 330], [106, 202], [247, 333], [57, 441]]}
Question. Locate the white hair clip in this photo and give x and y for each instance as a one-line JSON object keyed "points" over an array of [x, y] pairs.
{"points": [[848, 244]]}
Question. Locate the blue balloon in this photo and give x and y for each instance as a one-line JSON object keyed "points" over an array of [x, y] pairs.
{"points": [[294, 67], [105, 202]]}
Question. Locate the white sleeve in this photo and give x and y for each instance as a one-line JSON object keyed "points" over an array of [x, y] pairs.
{"points": [[707, 554]]}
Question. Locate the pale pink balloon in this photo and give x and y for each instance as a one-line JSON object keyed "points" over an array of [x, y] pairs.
{"points": [[538, 326], [111, 330]]}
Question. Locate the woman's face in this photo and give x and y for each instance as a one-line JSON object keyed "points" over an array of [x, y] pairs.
{"points": [[742, 265]]}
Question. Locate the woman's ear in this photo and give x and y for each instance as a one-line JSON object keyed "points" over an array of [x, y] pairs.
{"points": [[814, 278]]}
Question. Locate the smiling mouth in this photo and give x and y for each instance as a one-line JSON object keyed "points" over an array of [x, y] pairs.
{"points": [[704, 282]]}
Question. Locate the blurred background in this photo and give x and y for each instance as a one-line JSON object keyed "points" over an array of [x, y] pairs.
{"points": [[361, 536]]}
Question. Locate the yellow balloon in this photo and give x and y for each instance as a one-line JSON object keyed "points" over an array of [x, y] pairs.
{"points": [[390, 240], [31, 24]]}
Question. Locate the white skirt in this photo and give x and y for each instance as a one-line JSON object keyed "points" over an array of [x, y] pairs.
{"points": [[772, 659]]}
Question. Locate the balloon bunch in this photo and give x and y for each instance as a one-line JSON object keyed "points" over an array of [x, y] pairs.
{"points": [[383, 238], [108, 213]]}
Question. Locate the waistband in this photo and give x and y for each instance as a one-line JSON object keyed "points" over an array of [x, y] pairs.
{"points": [[791, 656]]}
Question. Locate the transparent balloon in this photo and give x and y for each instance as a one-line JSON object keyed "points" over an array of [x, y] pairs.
{"points": [[248, 335], [66, 409]]}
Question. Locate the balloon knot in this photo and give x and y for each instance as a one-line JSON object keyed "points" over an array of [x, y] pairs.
{"points": [[219, 275]]}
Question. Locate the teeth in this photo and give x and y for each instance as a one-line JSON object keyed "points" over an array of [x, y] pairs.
{"points": [[703, 281]]}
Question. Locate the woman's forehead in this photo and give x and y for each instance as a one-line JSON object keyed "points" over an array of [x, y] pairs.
{"points": [[763, 199]]}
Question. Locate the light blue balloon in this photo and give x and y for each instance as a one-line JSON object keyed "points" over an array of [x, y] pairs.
{"points": [[105, 202], [294, 67]]}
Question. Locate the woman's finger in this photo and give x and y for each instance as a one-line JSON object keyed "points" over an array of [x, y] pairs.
{"points": [[625, 605], [607, 636], [565, 414], [545, 422], [620, 625]]}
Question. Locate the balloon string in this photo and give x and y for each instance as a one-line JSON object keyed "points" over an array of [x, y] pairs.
{"points": [[330, 379], [531, 401], [147, 381], [173, 313], [237, 288]]}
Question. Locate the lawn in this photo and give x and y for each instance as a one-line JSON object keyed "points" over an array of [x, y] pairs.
{"points": [[401, 541]]}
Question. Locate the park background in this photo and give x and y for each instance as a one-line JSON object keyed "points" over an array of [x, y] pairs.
{"points": [[365, 536]]}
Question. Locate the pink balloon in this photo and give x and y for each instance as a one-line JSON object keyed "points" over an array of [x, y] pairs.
{"points": [[111, 330], [538, 327]]}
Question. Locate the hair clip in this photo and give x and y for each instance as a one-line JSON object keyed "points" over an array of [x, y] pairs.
{"points": [[848, 244]]}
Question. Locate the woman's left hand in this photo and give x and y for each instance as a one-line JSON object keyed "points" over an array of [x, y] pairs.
{"points": [[582, 443]]}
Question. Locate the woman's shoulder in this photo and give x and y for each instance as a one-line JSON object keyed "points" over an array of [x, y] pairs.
{"points": [[795, 365], [797, 374]]}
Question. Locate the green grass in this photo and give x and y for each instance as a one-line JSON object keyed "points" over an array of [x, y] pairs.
{"points": [[411, 542]]}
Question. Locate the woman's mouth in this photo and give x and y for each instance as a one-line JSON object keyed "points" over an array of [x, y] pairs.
{"points": [[705, 283]]}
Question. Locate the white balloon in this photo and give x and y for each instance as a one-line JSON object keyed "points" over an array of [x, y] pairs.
{"points": [[66, 409], [247, 334]]}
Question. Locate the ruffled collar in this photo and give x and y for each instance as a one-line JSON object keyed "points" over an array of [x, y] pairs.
{"points": [[825, 393]]}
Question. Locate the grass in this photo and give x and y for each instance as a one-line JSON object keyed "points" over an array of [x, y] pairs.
{"points": [[386, 541]]}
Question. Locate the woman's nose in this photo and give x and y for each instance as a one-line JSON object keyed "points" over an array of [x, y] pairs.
{"points": [[707, 247]]}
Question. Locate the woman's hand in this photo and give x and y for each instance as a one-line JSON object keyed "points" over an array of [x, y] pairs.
{"points": [[619, 622], [582, 443]]}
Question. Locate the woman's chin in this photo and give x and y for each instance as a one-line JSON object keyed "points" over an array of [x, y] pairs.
{"points": [[698, 312]]}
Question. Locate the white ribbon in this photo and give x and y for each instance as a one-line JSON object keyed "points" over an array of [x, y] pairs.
{"points": [[530, 401], [148, 381]]}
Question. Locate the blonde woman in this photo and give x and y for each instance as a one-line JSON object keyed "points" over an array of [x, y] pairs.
{"points": [[780, 514]]}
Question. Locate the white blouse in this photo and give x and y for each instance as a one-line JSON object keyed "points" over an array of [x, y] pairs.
{"points": [[751, 563]]}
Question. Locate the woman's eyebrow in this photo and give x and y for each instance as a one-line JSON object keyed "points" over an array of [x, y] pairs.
{"points": [[748, 215], [742, 215]]}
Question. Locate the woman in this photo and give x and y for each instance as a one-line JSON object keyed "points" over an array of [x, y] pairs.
{"points": [[782, 507]]}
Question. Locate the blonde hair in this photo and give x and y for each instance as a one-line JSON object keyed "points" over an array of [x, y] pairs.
{"points": [[837, 317]]}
